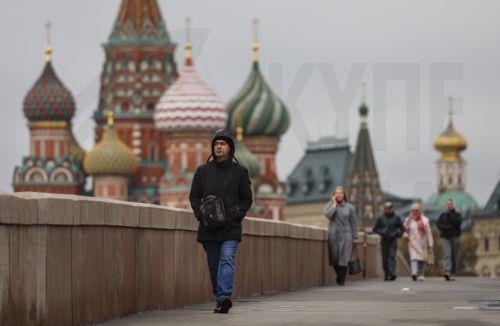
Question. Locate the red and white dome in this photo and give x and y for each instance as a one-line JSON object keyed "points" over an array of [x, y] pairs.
{"points": [[189, 105]]}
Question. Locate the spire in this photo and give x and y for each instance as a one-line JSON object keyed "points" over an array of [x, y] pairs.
{"points": [[48, 47], [189, 45], [255, 44], [139, 21], [363, 180]]}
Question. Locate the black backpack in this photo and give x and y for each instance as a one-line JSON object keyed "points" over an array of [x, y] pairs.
{"points": [[213, 214]]}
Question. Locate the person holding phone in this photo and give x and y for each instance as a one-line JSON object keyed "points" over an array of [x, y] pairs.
{"points": [[342, 231]]}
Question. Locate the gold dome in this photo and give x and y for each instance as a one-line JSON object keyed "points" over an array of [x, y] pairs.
{"points": [[450, 143], [110, 156]]}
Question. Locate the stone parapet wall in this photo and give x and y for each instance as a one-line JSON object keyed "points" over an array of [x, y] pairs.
{"points": [[72, 260]]}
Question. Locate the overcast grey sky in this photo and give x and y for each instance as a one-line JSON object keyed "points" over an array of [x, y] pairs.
{"points": [[309, 49]]}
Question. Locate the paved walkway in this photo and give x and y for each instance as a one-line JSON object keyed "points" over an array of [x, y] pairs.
{"points": [[373, 302]]}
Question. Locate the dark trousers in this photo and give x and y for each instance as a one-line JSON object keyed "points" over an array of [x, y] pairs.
{"points": [[389, 249], [341, 273], [451, 249], [221, 258]]}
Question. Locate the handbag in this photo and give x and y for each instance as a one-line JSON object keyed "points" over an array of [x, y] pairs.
{"points": [[354, 264], [213, 214]]}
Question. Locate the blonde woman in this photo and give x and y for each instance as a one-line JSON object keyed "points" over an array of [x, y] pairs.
{"points": [[419, 234], [342, 231]]}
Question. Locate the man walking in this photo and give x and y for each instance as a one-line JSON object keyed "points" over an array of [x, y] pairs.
{"points": [[224, 184], [449, 224], [390, 227]]}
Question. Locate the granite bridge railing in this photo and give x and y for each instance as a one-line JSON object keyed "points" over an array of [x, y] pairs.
{"points": [[72, 260]]}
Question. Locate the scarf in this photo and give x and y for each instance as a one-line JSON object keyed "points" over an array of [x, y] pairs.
{"points": [[420, 223]]}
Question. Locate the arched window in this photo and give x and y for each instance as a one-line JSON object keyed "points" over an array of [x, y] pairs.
{"points": [[486, 244], [36, 177], [60, 177]]}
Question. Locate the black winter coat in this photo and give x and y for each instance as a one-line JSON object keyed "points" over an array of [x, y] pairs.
{"points": [[389, 227], [227, 180], [449, 223]]}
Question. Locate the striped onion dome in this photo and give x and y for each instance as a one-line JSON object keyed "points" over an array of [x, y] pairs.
{"points": [[111, 156], [189, 104], [244, 156], [262, 113], [49, 99]]}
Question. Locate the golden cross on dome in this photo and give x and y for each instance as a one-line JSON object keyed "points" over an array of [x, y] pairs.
{"points": [[111, 111], [48, 47], [111, 119], [189, 45], [450, 105], [255, 45]]}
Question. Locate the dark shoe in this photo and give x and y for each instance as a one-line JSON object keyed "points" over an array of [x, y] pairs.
{"points": [[447, 276], [341, 283], [393, 278], [223, 306], [414, 277]]}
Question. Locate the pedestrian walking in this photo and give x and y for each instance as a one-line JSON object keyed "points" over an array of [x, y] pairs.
{"points": [[449, 225], [390, 227], [220, 197], [419, 234], [342, 231]]}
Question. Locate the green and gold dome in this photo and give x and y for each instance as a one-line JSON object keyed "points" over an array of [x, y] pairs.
{"points": [[263, 113], [110, 156]]}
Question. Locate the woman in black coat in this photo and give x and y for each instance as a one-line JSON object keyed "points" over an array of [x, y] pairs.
{"points": [[228, 180]]}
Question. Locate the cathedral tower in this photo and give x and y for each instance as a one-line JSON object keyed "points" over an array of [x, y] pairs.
{"points": [[139, 66]]}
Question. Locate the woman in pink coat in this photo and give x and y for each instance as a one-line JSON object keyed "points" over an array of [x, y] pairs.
{"points": [[419, 235]]}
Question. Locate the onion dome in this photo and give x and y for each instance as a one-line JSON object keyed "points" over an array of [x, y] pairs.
{"points": [[49, 99], [110, 156], [189, 104], [450, 143], [244, 156], [264, 113]]}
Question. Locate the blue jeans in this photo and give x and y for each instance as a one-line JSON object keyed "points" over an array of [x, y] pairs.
{"points": [[221, 265]]}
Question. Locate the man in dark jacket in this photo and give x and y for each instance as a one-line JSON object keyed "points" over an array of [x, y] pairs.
{"points": [[390, 227], [449, 223], [227, 180]]}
